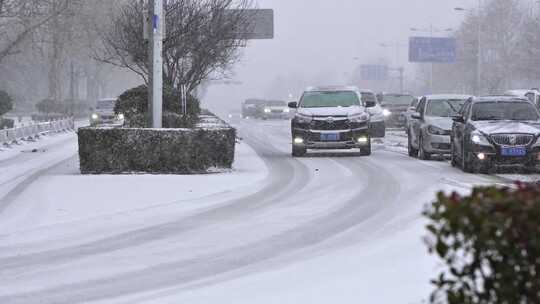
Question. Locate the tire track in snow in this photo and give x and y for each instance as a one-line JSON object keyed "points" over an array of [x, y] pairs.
{"points": [[352, 213], [285, 175]]}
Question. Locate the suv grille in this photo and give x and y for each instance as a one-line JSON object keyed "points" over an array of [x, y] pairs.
{"points": [[323, 125], [512, 139]]}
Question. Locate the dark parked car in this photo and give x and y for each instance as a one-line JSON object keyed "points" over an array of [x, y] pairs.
{"points": [[395, 106], [496, 131], [331, 118]]}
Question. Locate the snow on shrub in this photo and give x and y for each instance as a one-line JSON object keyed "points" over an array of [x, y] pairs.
{"points": [[134, 105], [490, 244]]}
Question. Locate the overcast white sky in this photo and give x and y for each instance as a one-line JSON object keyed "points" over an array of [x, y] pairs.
{"points": [[316, 41]]}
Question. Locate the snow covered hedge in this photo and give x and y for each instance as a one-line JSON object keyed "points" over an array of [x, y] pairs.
{"points": [[490, 243], [207, 147]]}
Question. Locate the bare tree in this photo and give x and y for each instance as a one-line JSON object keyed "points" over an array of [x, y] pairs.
{"points": [[200, 40], [19, 19]]}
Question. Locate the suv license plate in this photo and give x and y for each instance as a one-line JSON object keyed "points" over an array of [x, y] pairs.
{"points": [[514, 151], [330, 137]]}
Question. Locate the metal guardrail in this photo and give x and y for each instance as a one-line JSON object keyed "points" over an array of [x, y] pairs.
{"points": [[32, 131]]}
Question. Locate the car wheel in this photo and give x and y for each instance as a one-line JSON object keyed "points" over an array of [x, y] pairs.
{"points": [[465, 162], [412, 151], [453, 156], [298, 151], [366, 151], [422, 154]]}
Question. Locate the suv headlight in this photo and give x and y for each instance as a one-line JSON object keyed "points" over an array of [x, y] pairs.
{"points": [[267, 110], [359, 117], [286, 110], [386, 112], [95, 116], [303, 119], [537, 143], [479, 139], [436, 130]]}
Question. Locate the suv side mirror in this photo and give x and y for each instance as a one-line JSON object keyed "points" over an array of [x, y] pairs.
{"points": [[293, 105], [458, 118], [370, 104], [416, 115]]}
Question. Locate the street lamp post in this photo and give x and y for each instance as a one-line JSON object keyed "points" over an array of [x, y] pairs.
{"points": [[431, 30], [479, 67], [397, 67]]}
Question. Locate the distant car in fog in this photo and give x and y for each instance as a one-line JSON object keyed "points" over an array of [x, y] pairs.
{"points": [[496, 131], [252, 108], [377, 123], [275, 109], [103, 113], [533, 95], [331, 118], [395, 106], [428, 131]]}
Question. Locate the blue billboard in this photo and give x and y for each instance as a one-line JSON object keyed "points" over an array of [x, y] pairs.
{"points": [[432, 49], [373, 72]]}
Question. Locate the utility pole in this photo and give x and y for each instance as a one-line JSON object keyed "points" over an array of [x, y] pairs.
{"points": [[479, 66], [155, 86], [401, 71], [431, 63]]}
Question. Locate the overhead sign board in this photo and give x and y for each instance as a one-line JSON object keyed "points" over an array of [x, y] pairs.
{"points": [[255, 24], [432, 49], [373, 72]]}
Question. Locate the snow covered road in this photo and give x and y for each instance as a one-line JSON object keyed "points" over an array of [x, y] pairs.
{"points": [[327, 228]]}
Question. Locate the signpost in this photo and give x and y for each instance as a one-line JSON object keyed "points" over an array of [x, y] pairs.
{"points": [[432, 49], [256, 23]]}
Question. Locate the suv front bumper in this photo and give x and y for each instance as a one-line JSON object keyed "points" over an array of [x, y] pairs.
{"points": [[347, 139]]}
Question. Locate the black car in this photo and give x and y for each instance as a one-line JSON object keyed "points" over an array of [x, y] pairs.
{"points": [[395, 107], [496, 131], [331, 118]]}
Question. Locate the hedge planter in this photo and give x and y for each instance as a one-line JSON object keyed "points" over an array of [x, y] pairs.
{"points": [[169, 151]]}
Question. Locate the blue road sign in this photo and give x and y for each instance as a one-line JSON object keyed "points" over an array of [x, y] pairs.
{"points": [[373, 72], [432, 49]]}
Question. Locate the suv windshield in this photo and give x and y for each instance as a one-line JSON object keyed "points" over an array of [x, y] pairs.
{"points": [[504, 110], [397, 99], [276, 103], [444, 107], [330, 99], [106, 104]]}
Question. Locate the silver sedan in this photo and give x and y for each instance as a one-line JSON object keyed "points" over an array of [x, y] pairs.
{"points": [[430, 126]]}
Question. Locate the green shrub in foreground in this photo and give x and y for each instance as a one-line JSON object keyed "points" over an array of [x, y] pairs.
{"points": [[490, 244]]}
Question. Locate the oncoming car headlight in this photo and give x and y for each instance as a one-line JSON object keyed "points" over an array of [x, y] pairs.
{"points": [[359, 117], [95, 116], [286, 110], [386, 112], [120, 116], [267, 110], [479, 139]]}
